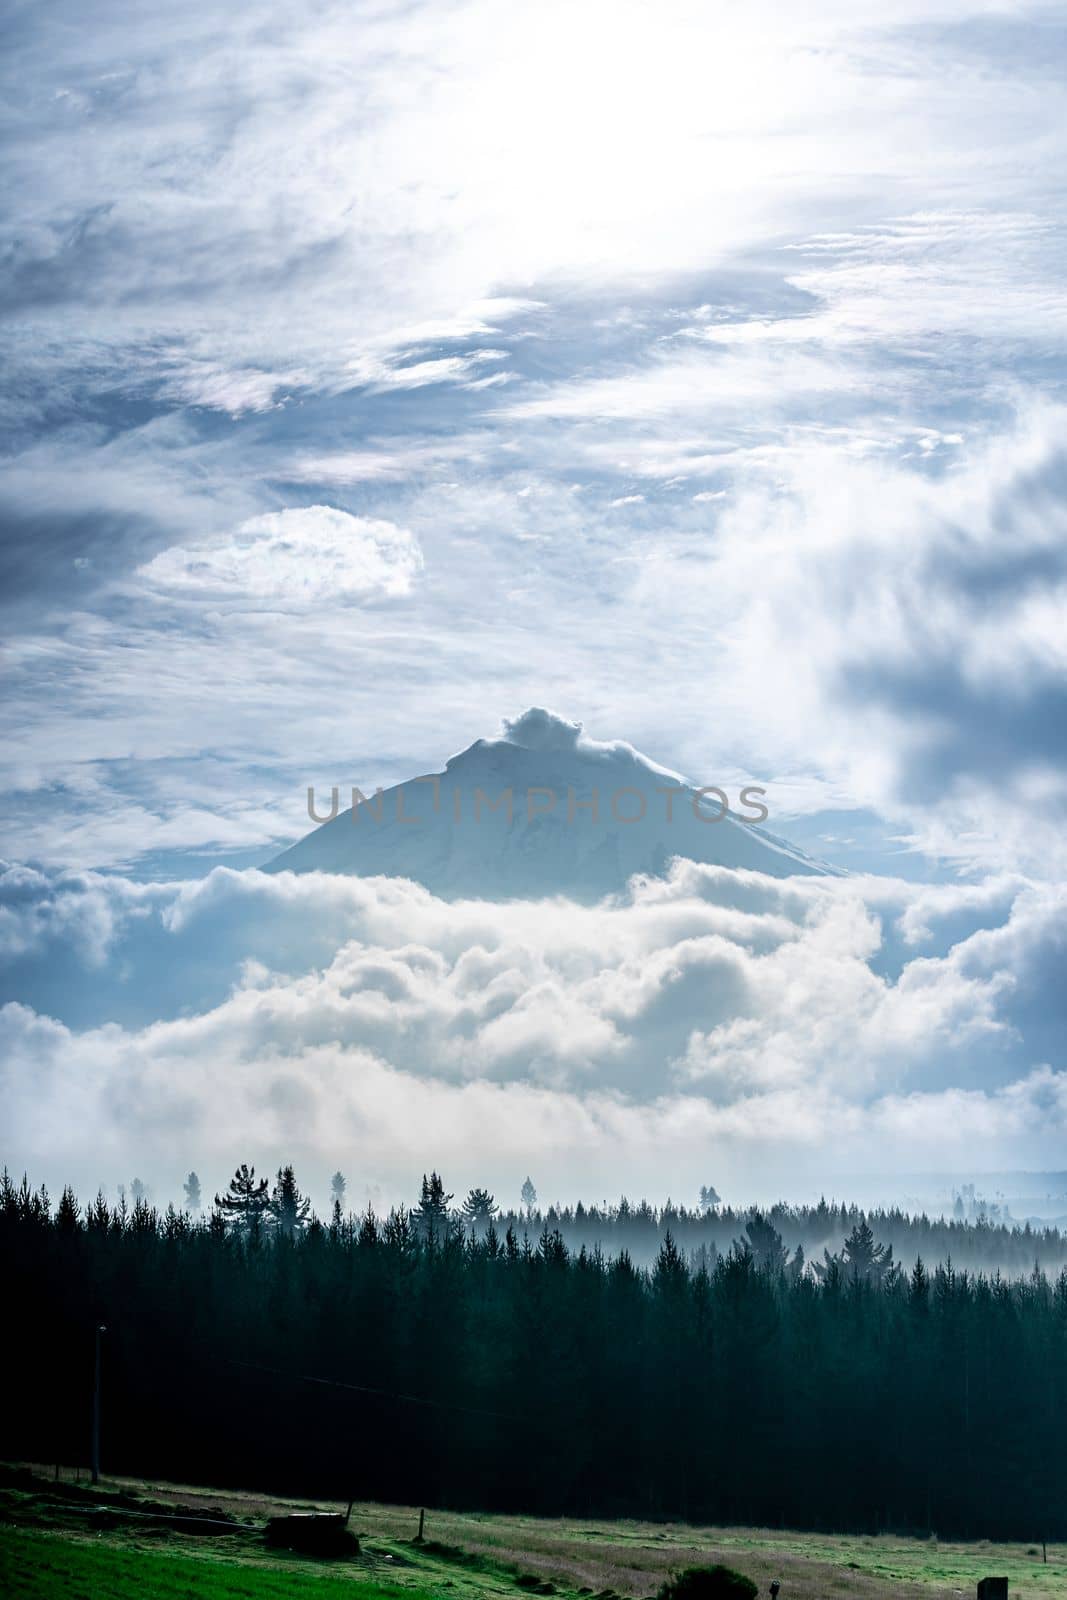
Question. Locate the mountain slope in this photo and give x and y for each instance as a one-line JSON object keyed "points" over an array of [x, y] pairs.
{"points": [[584, 817]]}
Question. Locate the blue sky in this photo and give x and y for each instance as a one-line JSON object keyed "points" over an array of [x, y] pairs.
{"points": [[374, 372]]}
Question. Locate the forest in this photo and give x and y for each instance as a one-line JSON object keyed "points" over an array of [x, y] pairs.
{"points": [[984, 1243], [448, 1356]]}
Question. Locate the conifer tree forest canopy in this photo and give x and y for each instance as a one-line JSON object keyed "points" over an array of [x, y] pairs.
{"points": [[451, 1356]]}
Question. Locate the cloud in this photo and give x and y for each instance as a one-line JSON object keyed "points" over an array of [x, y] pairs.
{"points": [[178, 192], [538, 729], [925, 668], [392, 461], [809, 298], [713, 1015], [301, 556]]}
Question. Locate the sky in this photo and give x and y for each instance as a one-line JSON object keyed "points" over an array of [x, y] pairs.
{"points": [[373, 372]]}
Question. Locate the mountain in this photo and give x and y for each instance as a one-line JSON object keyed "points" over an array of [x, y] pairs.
{"points": [[451, 830]]}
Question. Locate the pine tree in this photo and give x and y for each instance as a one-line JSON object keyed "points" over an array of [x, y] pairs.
{"points": [[430, 1216], [98, 1216], [246, 1201], [288, 1210], [551, 1248], [193, 1199], [67, 1212], [400, 1234], [529, 1195], [337, 1189], [479, 1209], [9, 1209], [176, 1224], [670, 1272], [765, 1243], [864, 1260]]}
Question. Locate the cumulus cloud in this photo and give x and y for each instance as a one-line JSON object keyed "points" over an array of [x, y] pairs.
{"points": [[711, 1011], [300, 556]]}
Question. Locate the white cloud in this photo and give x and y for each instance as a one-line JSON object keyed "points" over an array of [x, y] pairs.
{"points": [[901, 634], [393, 461], [709, 1016], [265, 204], [813, 272], [302, 556]]}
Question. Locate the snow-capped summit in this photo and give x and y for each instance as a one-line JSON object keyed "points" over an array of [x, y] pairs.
{"points": [[542, 809]]}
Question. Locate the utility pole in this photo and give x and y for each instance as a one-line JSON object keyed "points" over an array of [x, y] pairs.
{"points": [[100, 1329]]}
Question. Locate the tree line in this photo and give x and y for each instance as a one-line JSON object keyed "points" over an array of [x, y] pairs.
{"points": [[711, 1230], [446, 1355], [980, 1242]]}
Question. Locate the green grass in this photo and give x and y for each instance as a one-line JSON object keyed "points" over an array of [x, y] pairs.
{"points": [[43, 1566], [51, 1555]]}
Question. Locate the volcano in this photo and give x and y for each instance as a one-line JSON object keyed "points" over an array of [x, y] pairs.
{"points": [[542, 810]]}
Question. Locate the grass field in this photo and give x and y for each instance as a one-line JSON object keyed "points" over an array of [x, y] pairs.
{"points": [[44, 1566], [47, 1552]]}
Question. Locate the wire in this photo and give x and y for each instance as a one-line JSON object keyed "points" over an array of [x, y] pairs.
{"points": [[384, 1394]]}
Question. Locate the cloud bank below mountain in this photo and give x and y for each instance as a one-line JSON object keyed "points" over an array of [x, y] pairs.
{"points": [[771, 1032]]}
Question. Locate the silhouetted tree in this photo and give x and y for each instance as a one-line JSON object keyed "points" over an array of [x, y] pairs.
{"points": [[765, 1242], [431, 1217], [863, 1259], [289, 1210], [670, 1271], [193, 1199], [67, 1212], [479, 1209], [529, 1195], [246, 1201]]}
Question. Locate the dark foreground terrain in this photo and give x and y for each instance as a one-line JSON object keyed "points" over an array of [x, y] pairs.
{"points": [[118, 1543]]}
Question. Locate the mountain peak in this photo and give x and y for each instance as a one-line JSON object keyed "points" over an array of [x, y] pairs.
{"points": [[543, 809], [561, 744]]}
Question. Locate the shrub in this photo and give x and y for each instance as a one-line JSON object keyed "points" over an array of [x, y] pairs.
{"points": [[708, 1583]]}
